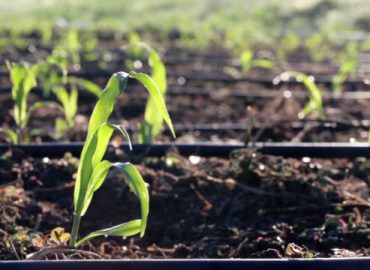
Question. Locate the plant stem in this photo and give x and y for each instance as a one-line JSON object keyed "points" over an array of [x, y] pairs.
{"points": [[75, 227]]}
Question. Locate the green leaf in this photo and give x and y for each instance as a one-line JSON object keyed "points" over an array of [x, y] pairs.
{"points": [[155, 94], [11, 134], [315, 103], [139, 188], [69, 102], [153, 121], [23, 80], [94, 153], [135, 182], [123, 230], [246, 60]]}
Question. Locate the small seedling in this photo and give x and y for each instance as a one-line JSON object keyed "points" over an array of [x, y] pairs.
{"points": [[288, 44], [23, 81], [315, 103], [92, 171], [153, 122], [347, 61], [318, 48], [248, 62]]}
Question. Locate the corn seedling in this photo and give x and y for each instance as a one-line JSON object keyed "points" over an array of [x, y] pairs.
{"points": [[318, 48], [347, 61], [68, 49], [23, 80], [288, 44], [315, 103], [92, 171], [345, 70], [69, 102], [153, 122], [53, 78], [248, 62]]}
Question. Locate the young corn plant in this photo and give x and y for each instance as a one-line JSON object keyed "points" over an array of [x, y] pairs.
{"points": [[23, 80], [248, 62], [345, 70], [315, 103], [92, 170], [53, 77], [347, 61], [153, 122], [287, 45], [318, 48]]}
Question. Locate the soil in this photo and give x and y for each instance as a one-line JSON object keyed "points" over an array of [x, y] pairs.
{"points": [[245, 206]]}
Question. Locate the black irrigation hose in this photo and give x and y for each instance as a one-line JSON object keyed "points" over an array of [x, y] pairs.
{"points": [[321, 150], [195, 264]]}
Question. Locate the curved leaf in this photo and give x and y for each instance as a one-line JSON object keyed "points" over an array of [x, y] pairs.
{"points": [[139, 188], [11, 134], [124, 229], [155, 93]]}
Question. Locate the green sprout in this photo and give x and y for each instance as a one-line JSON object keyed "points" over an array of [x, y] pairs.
{"points": [[288, 44], [347, 61], [345, 70], [318, 48], [69, 102], [92, 171], [53, 77], [315, 103], [153, 122], [248, 62], [23, 81], [68, 49]]}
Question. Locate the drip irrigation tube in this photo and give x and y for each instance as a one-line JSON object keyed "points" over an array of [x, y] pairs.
{"points": [[320, 150], [194, 264]]}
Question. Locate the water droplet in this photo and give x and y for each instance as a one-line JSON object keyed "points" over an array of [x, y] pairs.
{"points": [[287, 94], [138, 64], [194, 159], [181, 80]]}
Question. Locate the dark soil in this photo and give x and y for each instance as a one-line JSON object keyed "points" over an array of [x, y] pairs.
{"points": [[247, 206]]}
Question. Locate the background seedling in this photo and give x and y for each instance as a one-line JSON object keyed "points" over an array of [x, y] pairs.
{"points": [[153, 122], [92, 171], [248, 62], [288, 44], [347, 61], [23, 80], [315, 103]]}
